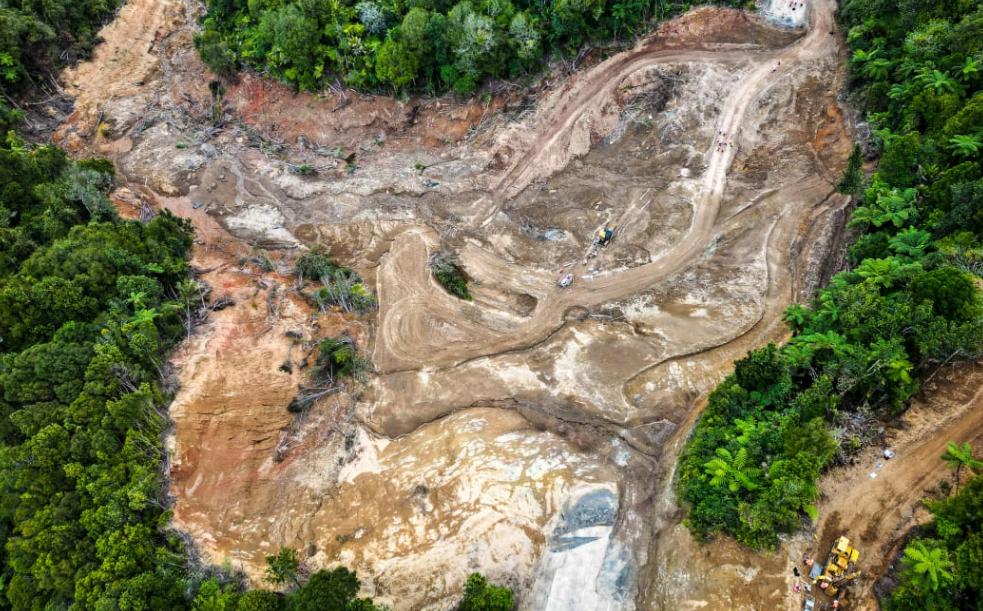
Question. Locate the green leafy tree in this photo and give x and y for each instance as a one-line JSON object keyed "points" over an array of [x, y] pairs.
{"points": [[900, 92], [903, 156], [327, 591], [885, 273], [927, 569], [292, 36], [971, 67], [938, 81], [761, 369], [215, 52], [283, 567], [212, 596], [480, 596], [953, 293], [396, 64], [836, 344], [969, 562], [852, 181], [418, 40], [893, 206], [959, 457], [362, 604], [524, 36], [911, 243], [732, 470], [260, 600], [796, 316], [861, 56], [877, 70], [966, 145]]}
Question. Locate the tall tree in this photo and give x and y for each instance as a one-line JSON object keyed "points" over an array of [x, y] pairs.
{"points": [[853, 176], [328, 591], [283, 567], [959, 457], [731, 468]]}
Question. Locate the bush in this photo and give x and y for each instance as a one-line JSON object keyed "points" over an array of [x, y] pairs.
{"points": [[450, 275], [327, 591], [317, 264], [338, 358], [341, 288], [260, 600], [479, 596]]}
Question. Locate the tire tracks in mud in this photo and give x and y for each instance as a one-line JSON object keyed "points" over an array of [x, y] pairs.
{"points": [[406, 342], [768, 326]]}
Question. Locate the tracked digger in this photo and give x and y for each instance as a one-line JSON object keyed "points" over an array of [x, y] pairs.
{"points": [[832, 576]]}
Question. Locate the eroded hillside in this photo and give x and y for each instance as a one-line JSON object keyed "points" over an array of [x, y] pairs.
{"points": [[528, 434]]}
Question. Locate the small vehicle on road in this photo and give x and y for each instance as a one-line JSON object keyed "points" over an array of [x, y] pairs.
{"points": [[565, 281]]}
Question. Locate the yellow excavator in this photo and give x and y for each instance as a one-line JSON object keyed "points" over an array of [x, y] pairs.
{"points": [[839, 568]]}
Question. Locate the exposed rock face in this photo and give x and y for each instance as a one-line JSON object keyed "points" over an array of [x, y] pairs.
{"points": [[582, 550]]}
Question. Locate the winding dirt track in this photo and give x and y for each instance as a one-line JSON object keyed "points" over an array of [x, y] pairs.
{"points": [[411, 312]]}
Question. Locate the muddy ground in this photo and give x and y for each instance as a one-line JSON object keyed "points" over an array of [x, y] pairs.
{"points": [[529, 434]]}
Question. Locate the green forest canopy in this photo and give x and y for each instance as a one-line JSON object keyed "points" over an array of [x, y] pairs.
{"points": [[909, 303], [38, 38], [85, 318], [430, 44]]}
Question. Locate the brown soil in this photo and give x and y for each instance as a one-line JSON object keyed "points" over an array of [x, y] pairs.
{"points": [[877, 511], [490, 424]]}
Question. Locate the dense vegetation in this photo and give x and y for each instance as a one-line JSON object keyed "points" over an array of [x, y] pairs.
{"points": [[428, 44], [909, 304], [88, 304], [37, 38], [943, 568], [480, 596]]}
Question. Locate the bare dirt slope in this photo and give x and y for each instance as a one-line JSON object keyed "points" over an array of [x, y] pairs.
{"points": [[528, 434]]}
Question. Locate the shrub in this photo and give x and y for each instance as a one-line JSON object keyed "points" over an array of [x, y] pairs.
{"points": [[338, 358], [450, 275], [479, 596]]}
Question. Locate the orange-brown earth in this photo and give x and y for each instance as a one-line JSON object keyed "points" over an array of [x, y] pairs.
{"points": [[530, 434]]}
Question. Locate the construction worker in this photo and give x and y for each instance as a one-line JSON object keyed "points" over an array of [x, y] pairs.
{"points": [[836, 603]]}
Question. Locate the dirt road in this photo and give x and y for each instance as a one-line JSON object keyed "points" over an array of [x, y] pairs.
{"points": [[878, 511], [405, 340]]}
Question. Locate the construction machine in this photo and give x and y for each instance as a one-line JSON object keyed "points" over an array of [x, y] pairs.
{"points": [[604, 237], [839, 568]]}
